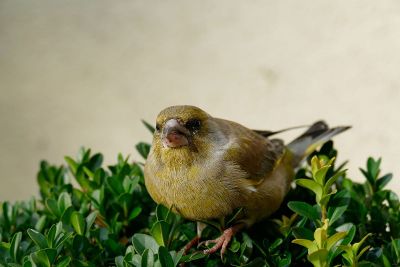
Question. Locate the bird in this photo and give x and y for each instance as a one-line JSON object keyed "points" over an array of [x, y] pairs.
{"points": [[205, 168]]}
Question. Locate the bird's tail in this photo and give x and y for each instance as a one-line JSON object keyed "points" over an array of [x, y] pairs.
{"points": [[315, 136]]}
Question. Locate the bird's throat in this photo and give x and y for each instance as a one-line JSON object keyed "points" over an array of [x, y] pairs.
{"points": [[178, 157]]}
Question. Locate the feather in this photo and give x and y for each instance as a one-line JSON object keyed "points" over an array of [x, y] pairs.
{"points": [[253, 153], [315, 136]]}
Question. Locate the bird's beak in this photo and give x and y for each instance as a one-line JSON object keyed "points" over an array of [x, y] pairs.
{"points": [[174, 134]]}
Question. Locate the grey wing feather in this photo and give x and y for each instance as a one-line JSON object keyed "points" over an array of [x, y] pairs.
{"points": [[316, 135]]}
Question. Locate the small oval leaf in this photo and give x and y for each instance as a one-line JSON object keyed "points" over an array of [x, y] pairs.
{"points": [[165, 258], [78, 222], [14, 248], [304, 209], [38, 238]]}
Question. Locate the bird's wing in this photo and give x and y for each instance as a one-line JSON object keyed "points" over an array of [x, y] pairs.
{"points": [[252, 152]]}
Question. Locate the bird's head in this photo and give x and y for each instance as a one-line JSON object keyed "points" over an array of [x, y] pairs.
{"points": [[181, 131]]}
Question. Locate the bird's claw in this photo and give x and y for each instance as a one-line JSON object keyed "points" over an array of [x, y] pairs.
{"points": [[221, 242], [189, 245]]}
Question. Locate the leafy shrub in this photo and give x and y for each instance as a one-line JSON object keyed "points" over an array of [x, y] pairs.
{"points": [[90, 215]]}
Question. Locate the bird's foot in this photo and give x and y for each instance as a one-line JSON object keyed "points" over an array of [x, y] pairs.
{"points": [[222, 242], [191, 243]]}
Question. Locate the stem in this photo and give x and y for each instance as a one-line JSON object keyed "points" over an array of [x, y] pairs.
{"points": [[323, 212]]}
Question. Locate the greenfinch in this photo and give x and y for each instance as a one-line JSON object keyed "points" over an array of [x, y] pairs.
{"points": [[205, 168]]}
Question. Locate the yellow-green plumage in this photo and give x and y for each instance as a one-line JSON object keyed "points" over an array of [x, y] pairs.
{"points": [[227, 167], [205, 168]]}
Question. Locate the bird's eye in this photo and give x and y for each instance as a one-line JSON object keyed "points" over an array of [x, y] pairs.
{"points": [[193, 125], [158, 127]]}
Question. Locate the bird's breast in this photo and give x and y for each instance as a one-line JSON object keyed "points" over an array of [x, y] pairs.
{"points": [[197, 192]]}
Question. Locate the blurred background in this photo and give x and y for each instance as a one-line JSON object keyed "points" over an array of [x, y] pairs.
{"points": [[83, 73]]}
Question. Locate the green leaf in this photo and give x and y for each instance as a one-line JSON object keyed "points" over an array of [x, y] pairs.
{"points": [[351, 231], [149, 126], [51, 236], [61, 239], [95, 162], [234, 246], [5, 245], [383, 181], [143, 149], [315, 165], [66, 216], [26, 263], [193, 257], [373, 167], [130, 183], [165, 258], [303, 233], [319, 258], [97, 197], [312, 185], [141, 242], [336, 214], [99, 176], [370, 180], [72, 164], [90, 219], [325, 199], [285, 262], [176, 256], [310, 245], [160, 232], [80, 244], [78, 222], [84, 154], [320, 174], [395, 248], [14, 248], [136, 261], [333, 179], [356, 246], [134, 213], [275, 244], [304, 209], [320, 236], [163, 214], [52, 206], [125, 201], [44, 257], [119, 261], [83, 181], [246, 248], [115, 185], [64, 262], [64, 201], [38, 238], [237, 213], [40, 224], [362, 252], [88, 172], [341, 198], [332, 240], [147, 258]]}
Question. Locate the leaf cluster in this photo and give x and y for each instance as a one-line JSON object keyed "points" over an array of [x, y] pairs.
{"points": [[91, 215]]}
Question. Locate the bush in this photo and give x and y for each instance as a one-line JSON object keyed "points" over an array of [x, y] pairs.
{"points": [[110, 220]]}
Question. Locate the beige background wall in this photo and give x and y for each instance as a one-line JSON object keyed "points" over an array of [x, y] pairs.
{"points": [[78, 73]]}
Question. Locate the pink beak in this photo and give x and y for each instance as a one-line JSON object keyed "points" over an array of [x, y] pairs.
{"points": [[174, 135]]}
